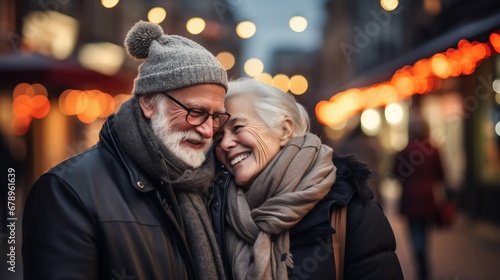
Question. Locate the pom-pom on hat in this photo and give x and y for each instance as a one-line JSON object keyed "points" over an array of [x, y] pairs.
{"points": [[171, 61]]}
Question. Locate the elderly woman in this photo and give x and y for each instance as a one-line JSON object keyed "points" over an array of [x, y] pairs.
{"points": [[274, 196]]}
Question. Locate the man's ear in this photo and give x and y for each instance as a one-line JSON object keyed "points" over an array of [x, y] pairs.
{"points": [[286, 132], [146, 108]]}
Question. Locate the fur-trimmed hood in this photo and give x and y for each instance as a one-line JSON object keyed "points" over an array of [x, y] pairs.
{"points": [[350, 173]]}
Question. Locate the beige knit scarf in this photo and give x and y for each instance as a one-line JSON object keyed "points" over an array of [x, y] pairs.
{"points": [[259, 219]]}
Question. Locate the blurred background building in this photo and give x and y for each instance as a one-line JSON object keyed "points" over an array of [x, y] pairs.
{"points": [[360, 67]]}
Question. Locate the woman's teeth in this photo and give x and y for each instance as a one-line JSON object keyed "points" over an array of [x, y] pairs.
{"points": [[238, 159]]}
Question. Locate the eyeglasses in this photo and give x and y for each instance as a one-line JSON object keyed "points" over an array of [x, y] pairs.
{"points": [[196, 116]]}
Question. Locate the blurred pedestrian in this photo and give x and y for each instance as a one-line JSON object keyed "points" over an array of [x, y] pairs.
{"points": [[273, 214], [133, 206], [419, 170]]}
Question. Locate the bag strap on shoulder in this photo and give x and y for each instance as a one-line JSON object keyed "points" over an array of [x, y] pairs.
{"points": [[338, 222]]}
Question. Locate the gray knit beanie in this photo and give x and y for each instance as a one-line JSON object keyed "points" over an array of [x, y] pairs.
{"points": [[171, 61]]}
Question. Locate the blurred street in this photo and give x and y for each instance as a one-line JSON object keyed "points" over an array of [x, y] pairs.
{"points": [[468, 250]]}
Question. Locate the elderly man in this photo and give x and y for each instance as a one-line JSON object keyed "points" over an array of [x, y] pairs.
{"points": [[132, 206]]}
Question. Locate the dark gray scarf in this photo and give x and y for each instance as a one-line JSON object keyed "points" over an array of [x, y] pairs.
{"points": [[189, 185]]}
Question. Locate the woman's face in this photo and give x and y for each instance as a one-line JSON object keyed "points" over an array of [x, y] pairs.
{"points": [[245, 145]]}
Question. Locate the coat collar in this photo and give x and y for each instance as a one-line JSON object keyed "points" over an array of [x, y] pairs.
{"points": [[109, 141]]}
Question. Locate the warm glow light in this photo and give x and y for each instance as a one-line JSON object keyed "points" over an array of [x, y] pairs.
{"points": [[454, 69], [246, 29], [108, 105], [282, 82], [421, 84], [157, 15], [23, 89], [389, 5], [91, 112], [495, 41], [40, 106], [340, 125], [109, 3], [265, 78], [298, 23], [398, 141], [497, 128], [387, 94], [29, 90], [393, 113], [298, 84], [328, 113], [253, 67], [21, 106], [421, 68], [425, 76], [478, 52], [319, 110], [468, 67], [29, 101], [105, 58], [440, 66], [403, 85], [432, 7], [226, 59], [195, 25], [50, 33], [87, 105], [20, 125], [496, 85], [370, 122], [75, 102], [349, 100], [62, 102]]}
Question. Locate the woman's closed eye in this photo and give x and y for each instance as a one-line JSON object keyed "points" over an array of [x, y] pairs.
{"points": [[237, 128], [218, 137]]}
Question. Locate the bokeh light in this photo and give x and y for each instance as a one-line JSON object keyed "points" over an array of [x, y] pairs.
{"points": [[370, 122], [282, 82], [389, 5], [264, 78], [29, 101], [109, 3], [298, 84], [226, 59], [253, 67], [157, 15], [298, 23], [246, 29], [195, 25], [393, 113]]}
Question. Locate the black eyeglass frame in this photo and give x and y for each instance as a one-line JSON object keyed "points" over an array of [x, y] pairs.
{"points": [[201, 112]]}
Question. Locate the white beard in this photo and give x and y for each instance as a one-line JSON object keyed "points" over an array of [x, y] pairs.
{"points": [[172, 139]]}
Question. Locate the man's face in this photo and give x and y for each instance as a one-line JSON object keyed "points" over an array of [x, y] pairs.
{"points": [[168, 119]]}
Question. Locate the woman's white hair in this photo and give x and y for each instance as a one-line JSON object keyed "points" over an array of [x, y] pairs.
{"points": [[271, 104]]}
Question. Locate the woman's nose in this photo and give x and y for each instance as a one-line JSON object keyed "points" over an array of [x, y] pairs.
{"points": [[227, 142]]}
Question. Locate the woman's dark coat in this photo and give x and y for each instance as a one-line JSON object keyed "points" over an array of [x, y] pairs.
{"points": [[370, 243]]}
